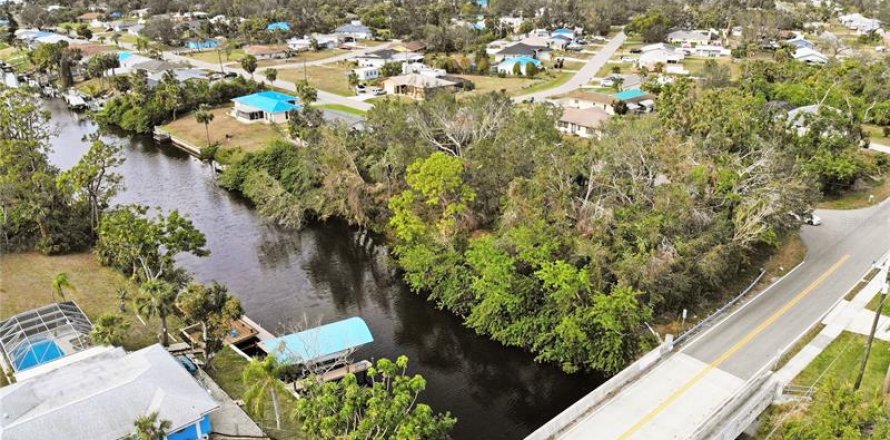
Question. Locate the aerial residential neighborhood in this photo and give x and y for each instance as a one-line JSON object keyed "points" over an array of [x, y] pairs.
{"points": [[427, 219]]}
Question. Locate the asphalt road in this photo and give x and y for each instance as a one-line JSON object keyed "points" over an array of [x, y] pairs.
{"points": [[839, 253], [675, 397], [583, 75]]}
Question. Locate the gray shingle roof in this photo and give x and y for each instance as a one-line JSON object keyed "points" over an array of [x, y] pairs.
{"points": [[100, 397]]}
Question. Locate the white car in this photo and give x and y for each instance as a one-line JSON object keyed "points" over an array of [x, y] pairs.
{"points": [[812, 219]]}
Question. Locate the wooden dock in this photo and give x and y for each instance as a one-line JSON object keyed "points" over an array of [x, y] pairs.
{"points": [[335, 374]]}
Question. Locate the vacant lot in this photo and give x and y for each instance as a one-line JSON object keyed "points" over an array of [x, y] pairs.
{"points": [[306, 56], [226, 130], [696, 65], [330, 78], [509, 85], [214, 56], [26, 284]]}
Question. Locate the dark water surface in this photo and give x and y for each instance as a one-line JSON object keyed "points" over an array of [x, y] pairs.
{"points": [[322, 274]]}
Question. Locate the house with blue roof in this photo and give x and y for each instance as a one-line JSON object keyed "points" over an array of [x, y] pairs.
{"points": [[508, 66], [279, 26], [208, 44], [268, 106]]}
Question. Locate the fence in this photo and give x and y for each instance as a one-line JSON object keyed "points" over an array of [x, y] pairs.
{"points": [[602, 393]]}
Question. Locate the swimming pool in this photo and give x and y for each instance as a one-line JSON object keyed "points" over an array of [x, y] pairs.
{"points": [[38, 353]]}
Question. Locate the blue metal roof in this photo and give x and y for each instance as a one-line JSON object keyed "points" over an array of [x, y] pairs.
{"points": [[278, 26], [320, 342], [270, 101], [629, 94], [523, 60]]}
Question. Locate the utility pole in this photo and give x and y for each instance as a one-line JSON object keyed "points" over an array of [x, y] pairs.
{"points": [[874, 328]]}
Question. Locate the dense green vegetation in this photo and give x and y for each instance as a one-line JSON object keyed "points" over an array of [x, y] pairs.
{"points": [[567, 248]]}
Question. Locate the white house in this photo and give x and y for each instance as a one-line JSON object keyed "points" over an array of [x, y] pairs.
{"points": [[354, 30], [583, 122], [689, 38], [656, 54], [860, 23], [379, 58], [799, 42], [367, 73], [324, 41], [810, 56], [422, 69], [708, 50]]}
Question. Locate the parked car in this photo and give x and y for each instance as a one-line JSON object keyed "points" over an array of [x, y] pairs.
{"points": [[376, 91], [359, 89]]}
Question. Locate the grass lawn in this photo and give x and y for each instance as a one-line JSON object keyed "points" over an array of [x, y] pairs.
{"points": [[27, 279], [572, 65], [94, 86], [312, 56], [873, 305], [876, 134], [228, 366], [248, 137], [840, 361], [879, 188], [695, 65], [606, 70], [342, 108], [555, 81], [17, 58], [330, 78], [509, 85], [211, 56]]}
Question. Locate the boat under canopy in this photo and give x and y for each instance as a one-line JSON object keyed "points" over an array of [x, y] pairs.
{"points": [[329, 342]]}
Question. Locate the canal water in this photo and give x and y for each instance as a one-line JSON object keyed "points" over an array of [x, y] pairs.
{"points": [[287, 278]]}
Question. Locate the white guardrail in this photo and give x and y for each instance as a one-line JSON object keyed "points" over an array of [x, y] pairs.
{"points": [[602, 393]]}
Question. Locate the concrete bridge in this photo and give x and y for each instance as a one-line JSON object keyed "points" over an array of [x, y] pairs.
{"points": [[713, 385]]}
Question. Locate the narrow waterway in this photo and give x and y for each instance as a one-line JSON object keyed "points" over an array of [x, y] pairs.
{"points": [[322, 273]]}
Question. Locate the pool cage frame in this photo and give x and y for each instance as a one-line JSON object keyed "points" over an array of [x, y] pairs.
{"points": [[52, 321]]}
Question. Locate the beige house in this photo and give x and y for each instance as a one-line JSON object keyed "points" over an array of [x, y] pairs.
{"points": [[583, 122], [417, 86]]}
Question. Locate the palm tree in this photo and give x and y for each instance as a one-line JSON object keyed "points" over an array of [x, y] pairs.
{"points": [[248, 63], [109, 329], [60, 283], [204, 116], [261, 378], [150, 428], [271, 75], [157, 297], [141, 44]]}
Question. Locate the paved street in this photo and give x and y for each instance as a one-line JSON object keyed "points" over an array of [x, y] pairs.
{"points": [[668, 402], [585, 74]]}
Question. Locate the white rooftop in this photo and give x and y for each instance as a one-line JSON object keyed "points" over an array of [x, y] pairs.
{"points": [[100, 397]]}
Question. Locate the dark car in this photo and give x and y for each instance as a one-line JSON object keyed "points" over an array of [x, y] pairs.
{"points": [[188, 364]]}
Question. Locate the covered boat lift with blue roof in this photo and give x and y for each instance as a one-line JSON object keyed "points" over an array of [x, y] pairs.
{"points": [[319, 345]]}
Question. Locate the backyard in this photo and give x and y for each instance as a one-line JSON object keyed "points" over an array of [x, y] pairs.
{"points": [[27, 284], [330, 78], [226, 130]]}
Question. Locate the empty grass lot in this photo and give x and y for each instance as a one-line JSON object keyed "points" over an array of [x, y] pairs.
{"points": [[247, 137], [509, 85], [330, 78], [26, 283], [212, 56]]}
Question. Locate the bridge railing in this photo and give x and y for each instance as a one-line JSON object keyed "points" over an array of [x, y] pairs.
{"points": [[601, 394], [705, 323], [737, 413]]}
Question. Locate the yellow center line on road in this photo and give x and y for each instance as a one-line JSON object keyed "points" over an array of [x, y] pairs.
{"points": [[735, 348]]}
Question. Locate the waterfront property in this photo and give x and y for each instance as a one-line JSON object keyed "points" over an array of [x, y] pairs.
{"points": [[99, 398], [40, 336], [268, 106]]}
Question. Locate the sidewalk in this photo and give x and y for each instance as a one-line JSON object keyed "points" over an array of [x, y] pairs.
{"points": [[849, 316], [229, 420]]}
